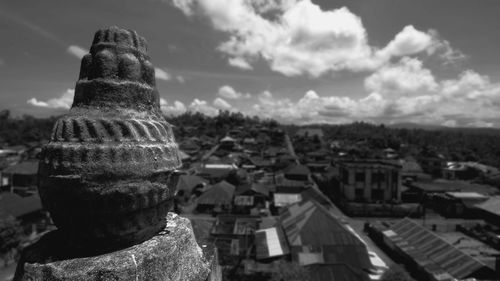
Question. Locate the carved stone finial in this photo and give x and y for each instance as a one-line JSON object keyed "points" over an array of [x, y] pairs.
{"points": [[107, 175]]}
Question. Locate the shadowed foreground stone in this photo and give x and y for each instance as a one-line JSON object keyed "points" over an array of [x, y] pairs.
{"points": [[108, 174], [171, 255], [108, 178]]}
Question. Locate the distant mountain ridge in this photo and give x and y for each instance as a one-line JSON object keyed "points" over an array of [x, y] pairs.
{"points": [[428, 127]]}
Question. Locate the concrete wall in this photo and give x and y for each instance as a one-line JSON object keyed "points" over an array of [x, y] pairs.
{"points": [[390, 186]]}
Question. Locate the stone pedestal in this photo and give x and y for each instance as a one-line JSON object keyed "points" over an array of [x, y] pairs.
{"points": [[171, 255]]}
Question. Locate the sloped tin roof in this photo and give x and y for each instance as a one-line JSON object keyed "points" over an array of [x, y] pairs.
{"points": [[432, 252]]}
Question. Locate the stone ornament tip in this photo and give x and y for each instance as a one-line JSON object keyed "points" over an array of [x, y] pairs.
{"points": [[117, 67], [108, 174]]}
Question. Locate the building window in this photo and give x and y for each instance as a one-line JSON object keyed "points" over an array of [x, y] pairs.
{"points": [[377, 194], [360, 177], [359, 193], [378, 177], [395, 177], [345, 176]]}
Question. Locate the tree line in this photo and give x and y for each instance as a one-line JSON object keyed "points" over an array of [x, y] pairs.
{"points": [[456, 144]]}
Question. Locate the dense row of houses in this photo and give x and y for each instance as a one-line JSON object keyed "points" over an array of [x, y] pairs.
{"points": [[427, 255], [20, 206], [268, 209], [268, 197]]}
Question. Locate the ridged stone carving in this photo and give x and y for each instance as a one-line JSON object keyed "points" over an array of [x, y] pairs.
{"points": [[107, 177]]}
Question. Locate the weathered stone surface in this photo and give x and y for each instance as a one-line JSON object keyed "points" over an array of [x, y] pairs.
{"points": [[171, 255], [107, 177]]}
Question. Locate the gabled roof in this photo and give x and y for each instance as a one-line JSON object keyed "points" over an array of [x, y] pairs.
{"points": [[183, 155], [442, 185], [318, 153], [260, 188], [287, 157], [215, 170], [188, 182], [270, 242], [243, 188], [24, 168], [18, 206], [492, 205], [410, 165], [227, 139], [189, 146], [252, 189], [220, 193], [249, 140], [309, 223], [313, 193], [467, 195], [275, 150], [285, 199], [297, 169], [260, 162]]}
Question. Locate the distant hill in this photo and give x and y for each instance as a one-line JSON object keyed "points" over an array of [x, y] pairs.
{"points": [[410, 125]]}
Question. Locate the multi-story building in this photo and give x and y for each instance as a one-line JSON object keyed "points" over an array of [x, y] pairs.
{"points": [[370, 180]]}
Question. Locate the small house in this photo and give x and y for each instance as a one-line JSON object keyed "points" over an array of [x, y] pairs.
{"points": [[218, 198]]}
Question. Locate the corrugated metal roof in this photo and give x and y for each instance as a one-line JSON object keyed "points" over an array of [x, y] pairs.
{"points": [[315, 225], [227, 139], [467, 195], [426, 248], [491, 206], [17, 206], [188, 182], [294, 218], [335, 272], [285, 199], [310, 225], [270, 242], [221, 193], [442, 185], [297, 169], [260, 188], [23, 168], [313, 193]]}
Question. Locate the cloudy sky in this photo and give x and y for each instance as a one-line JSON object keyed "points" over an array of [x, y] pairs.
{"points": [[300, 61]]}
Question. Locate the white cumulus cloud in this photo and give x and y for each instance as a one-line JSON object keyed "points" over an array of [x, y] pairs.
{"points": [[407, 77], [403, 91], [239, 63], [64, 101], [176, 109], [302, 38], [202, 106], [221, 104], [77, 51], [229, 92], [162, 74], [180, 79]]}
